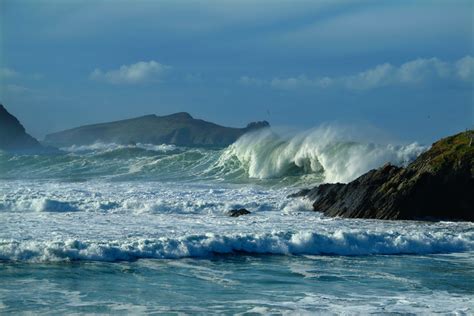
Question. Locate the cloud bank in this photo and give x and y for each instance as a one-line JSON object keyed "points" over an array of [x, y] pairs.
{"points": [[421, 71], [139, 72]]}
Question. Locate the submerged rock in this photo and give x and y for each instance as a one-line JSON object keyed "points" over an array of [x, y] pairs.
{"points": [[438, 185], [239, 212]]}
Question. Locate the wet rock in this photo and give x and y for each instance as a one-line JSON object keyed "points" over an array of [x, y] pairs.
{"points": [[239, 212], [438, 185]]}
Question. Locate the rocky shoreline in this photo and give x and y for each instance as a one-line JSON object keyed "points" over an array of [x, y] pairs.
{"points": [[438, 185]]}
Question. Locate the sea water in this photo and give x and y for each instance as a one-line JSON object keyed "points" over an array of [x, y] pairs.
{"points": [[142, 228]]}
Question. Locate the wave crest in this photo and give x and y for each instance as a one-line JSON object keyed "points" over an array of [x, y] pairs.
{"points": [[339, 242], [325, 151], [103, 147]]}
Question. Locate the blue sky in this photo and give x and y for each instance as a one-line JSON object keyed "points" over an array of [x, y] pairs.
{"points": [[406, 67]]}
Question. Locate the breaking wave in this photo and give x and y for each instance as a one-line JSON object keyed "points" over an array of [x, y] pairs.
{"points": [[38, 205], [323, 151], [113, 146], [326, 154], [339, 242]]}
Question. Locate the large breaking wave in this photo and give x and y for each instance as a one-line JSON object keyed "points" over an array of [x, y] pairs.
{"points": [[326, 154], [325, 151]]}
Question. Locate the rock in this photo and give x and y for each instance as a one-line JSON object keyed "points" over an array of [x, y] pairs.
{"points": [[257, 125], [239, 212], [301, 193], [438, 185], [179, 129], [13, 136]]}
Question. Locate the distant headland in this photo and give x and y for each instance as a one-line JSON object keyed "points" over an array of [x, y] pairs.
{"points": [[13, 136], [178, 129]]}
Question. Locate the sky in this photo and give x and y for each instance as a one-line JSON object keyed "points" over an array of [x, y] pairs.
{"points": [[402, 67]]}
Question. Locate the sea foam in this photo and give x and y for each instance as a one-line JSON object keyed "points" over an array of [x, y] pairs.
{"points": [[338, 242], [108, 221], [326, 150]]}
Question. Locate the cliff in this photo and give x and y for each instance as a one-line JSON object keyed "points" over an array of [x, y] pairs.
{"points": [[438, 185], [178, 129], [13, 136]]}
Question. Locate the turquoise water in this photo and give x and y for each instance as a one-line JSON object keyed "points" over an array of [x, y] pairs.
{"points": [[244, 284], [145, 229]]}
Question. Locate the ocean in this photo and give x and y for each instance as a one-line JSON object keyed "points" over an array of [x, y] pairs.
{"points": [[138, 229]]}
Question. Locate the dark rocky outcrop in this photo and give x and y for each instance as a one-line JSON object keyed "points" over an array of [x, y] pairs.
{"points": [[438, 185], [13, 136], [178, 129], [239, 212]]}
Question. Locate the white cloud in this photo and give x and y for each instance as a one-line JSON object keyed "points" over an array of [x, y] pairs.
{"points": [[132, 74], [380, 75], [421, 71], [465, 68]]}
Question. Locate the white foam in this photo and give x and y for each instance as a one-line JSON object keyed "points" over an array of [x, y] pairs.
{"points": [[338, 242], [104, 147], [48, 221], [38, 205], [328, 150]]}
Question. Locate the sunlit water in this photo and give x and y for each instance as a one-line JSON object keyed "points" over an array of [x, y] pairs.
{"points": [[143, 229]]}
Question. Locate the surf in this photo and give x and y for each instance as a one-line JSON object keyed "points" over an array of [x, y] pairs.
{"points": [[325, 154]]}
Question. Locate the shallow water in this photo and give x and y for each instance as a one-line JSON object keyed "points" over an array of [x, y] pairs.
{"points": [[143, 229]]}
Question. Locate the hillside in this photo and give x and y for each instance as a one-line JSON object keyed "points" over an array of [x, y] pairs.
{"points": [[13, 136], [178, 129]]}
